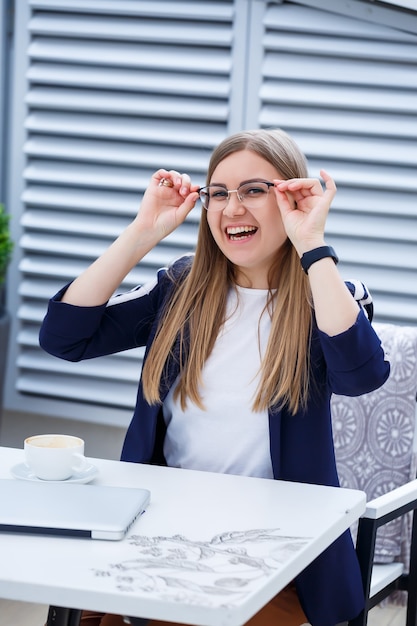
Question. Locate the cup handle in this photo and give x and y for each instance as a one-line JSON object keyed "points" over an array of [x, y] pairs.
{"points": [[82, 462]]}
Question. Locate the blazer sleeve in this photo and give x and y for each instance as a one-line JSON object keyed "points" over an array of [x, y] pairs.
{"points": [[355, 360], [75, 333]]}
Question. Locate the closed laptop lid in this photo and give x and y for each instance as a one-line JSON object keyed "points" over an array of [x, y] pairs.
{"points": [[71, 510]]}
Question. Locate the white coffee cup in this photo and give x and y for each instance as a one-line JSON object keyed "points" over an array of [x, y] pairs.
{"points": [[55, 457]]}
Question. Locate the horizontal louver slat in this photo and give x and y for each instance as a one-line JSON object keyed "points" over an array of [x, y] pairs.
{"points": [[338, 121], [105, 368], [64, 270], [61, 198], [305, 21], [125, 29], [159, 131], [365, 226], [118, 394], [130, 80], [185, 9], [378, 202], [90, 248], [128, 104], [92, 175], [342, 97], [122, 55], [384, 280], [284, 66], [79, 224], [342, 49], [377, 150], [116, 153], [366, 252]]}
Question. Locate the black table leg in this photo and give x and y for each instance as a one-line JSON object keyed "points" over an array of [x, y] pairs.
{"points": [[60, 616]]}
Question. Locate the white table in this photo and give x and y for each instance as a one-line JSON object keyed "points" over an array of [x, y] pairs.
{"points": [[211, 549]]}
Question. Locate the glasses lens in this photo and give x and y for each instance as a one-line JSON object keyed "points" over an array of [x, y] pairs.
{"points": [[253, 194], [214, 198]]}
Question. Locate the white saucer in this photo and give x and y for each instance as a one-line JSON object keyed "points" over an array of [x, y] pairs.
{"points": [[22, 472]]}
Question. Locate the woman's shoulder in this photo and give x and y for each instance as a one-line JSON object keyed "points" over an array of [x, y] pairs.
{"points": [[179, 268]]}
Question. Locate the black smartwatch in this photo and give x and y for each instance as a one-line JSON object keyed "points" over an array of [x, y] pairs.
{"points": [[316, 254]]}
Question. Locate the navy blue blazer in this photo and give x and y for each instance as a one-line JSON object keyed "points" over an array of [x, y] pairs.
{"points": [[352, 363]]}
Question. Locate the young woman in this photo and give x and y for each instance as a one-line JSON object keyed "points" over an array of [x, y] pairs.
{"points": [[246, 340]]}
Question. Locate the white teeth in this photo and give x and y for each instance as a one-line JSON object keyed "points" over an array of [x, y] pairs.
{"points": [[236, 230]]}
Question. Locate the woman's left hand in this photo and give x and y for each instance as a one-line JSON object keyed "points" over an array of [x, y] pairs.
{"points": [[304, 206]]}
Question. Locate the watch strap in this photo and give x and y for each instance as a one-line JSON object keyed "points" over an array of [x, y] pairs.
{"points": [[316, 254]]}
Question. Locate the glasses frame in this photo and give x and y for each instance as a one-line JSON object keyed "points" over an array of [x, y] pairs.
{"points": [[229, 191]]}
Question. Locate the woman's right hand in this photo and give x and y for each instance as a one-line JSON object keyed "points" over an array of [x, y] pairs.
{"points": [[166, 203], [163, 208]]}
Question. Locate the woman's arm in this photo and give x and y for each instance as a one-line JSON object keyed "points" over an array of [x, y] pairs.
{"points": [[335, 308], [304, 207], [163, 208]]}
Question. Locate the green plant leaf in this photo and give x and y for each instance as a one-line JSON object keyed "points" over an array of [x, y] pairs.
{"points": [[6, 243]]}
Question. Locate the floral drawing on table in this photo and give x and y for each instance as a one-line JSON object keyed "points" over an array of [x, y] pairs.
{"points": [[209, 573]]}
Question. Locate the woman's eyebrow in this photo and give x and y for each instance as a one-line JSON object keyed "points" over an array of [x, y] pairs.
{"points": [[243, 182]]}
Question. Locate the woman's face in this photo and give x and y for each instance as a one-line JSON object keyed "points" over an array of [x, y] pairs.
{"points": [[249, 238]]}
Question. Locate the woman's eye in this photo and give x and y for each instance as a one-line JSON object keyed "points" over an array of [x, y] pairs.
{"points": [[253, 191], [218, 194]]}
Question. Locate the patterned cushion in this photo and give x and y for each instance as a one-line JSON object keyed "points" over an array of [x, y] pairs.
{"points": [[374, 436]]}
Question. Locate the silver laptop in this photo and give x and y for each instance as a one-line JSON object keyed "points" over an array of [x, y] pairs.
{"points": [[69, 510]]}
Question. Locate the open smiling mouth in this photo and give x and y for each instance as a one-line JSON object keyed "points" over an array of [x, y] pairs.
{"points": [[237, 233]]}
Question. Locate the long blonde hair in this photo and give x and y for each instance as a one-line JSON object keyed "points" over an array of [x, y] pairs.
{"points": [[196, 311]]}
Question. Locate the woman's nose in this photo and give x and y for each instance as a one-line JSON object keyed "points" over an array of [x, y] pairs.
{"points": [[234, 205]]}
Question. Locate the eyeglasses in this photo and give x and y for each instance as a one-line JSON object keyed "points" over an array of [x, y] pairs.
{"points": [[251, 195]]}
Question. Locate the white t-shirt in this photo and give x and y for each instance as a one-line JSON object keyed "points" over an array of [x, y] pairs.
{"points": [[227, 436]]}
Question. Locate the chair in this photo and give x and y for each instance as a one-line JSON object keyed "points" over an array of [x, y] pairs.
{"points": [[375, 438]]}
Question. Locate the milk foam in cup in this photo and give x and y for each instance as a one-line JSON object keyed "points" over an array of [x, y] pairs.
{"points": [[55, 457]]}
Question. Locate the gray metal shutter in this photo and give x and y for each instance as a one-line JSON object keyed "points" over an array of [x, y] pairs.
{"points": [[114, 91], [346, 89], [105, 92], [4, 24]]}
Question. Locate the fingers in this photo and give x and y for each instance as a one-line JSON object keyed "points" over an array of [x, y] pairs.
{"points": [[306, 186], [300, 186], [329, 182], [187, 205], [181, 183], [165, 182]]}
